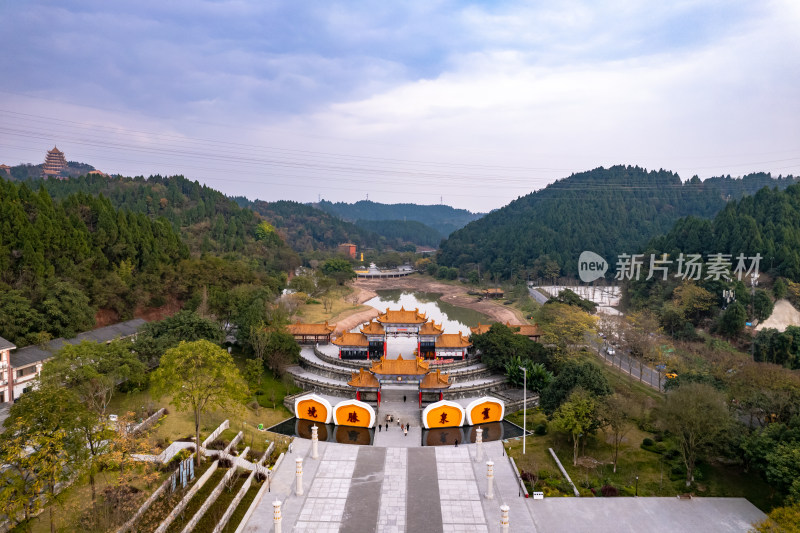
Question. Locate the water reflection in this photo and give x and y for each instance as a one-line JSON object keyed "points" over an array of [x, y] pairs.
{"points": [[454, 319], [297, 427]]}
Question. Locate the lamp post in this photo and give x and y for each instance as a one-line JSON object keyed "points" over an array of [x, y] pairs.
{"points": [[637, 486], [524, 407]]}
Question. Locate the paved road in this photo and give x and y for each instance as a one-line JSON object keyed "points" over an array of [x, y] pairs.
{"points": [[630, 365], [536, 295]]}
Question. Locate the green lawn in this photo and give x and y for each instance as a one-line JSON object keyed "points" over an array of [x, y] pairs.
{"points": [[658, 475]]}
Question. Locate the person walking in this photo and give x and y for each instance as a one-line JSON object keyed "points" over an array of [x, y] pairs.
{"points": [[408, 426], [456, 443], [387, 426], [405, 431], [404, 398], [380, 427]]}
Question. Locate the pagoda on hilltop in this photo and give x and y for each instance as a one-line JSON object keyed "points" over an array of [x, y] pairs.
{"points": [[54, 164]]}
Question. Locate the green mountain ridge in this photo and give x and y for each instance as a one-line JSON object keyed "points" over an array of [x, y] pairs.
{"points": [[443, 218], [608, 211]]}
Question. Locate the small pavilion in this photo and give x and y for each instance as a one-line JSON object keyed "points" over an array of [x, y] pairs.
{"points": [[452, 346], [531, 331], [352, 346], [434, 382], [311, 333], [363, 380]]}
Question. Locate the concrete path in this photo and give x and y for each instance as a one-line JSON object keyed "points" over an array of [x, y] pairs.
{"points": [[393, 490]]}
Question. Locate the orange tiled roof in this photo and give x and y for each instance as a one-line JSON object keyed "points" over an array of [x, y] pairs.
{"points": [[403, 316], [351, 339], [480, 329], [529, 330], [435, 380], [452, 340], [430, 328], [373, 328], [493, 291], [400, 366], [364, 379], [310, 329]]}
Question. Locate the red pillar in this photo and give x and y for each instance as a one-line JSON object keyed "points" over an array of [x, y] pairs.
{"points": [[441, 396], [340, 353], [419, 347], [384, 347], [358, 395], [420, 398], [379, 397]]}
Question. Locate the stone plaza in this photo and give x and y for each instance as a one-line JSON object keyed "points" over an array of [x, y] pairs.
{"points": [[396, 485]]}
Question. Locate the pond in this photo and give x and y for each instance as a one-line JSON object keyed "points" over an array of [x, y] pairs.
{"points": [[453, 319], [295, 427]]}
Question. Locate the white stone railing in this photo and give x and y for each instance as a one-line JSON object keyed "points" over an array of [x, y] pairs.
{"points": [[185, 501]]}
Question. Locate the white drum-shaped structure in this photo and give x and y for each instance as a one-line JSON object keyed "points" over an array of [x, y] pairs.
{"points": [[313, 407], [485, 410], [354, 413], [443, 414]]}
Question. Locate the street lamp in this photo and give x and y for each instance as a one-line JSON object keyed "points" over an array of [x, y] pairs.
{"points": [[524, 407], [637, 486]]}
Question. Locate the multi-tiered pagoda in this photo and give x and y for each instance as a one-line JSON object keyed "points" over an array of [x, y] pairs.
{"points": [[55, 163]]}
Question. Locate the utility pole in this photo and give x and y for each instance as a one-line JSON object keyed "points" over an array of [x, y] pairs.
{"points": [[524, 407]]}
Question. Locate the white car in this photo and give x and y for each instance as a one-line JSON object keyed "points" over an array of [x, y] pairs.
{"points": [[610, 351]]}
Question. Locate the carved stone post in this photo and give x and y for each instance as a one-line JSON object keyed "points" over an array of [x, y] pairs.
{"points": [[489, 480], [276, 515], [299, 471]]}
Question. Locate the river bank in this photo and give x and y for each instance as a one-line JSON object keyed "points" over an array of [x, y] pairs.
{"points": [[366, 289]]}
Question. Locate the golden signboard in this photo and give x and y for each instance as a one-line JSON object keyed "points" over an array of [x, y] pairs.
{"points": [[485, 410], [314, 408], [443, 414], [353, 414]]}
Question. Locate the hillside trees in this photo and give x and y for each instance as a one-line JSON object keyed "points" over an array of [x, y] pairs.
{"points": [[53, 253], [695, 414]]}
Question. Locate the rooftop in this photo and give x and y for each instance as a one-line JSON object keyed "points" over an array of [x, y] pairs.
{"points": [[403, 316], [373, 328], [452, 340], [310, 329], [364, 379], [435, 380], [430, 328], [6, 345], [400, 366], [351, 339]]}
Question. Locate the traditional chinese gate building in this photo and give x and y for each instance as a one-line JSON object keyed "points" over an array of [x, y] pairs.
{"points": [[399, 370]]}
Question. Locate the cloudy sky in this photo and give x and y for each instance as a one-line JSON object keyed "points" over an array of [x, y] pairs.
{"points": [[469, 103]]}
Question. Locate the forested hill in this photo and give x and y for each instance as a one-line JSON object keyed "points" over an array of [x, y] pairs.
{"points": [[308, 229], [408, 231], [609, 211], [767, 223], [208, 221], [442, 218], [61, 260]]}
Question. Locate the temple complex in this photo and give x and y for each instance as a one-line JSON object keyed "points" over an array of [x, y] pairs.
{"points": [[54, 164]]}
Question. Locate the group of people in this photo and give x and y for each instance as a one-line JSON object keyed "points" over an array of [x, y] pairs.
{"points": [[390, 418]]}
